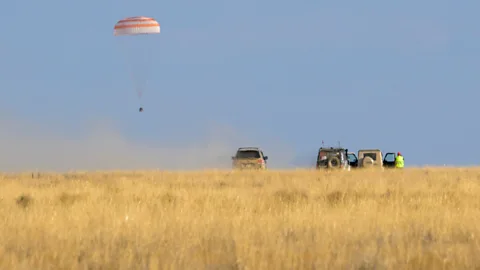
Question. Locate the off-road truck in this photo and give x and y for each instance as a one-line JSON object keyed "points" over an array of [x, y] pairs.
{"points": [[368, 158], [332, 158], [249, 158]]}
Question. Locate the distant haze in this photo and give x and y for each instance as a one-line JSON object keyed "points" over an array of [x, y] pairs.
{"points": [[29, 146]]}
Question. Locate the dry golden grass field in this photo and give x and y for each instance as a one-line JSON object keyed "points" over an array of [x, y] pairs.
{"points": [[411, 219]]}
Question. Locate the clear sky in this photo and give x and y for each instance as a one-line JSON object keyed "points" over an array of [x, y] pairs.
{"points": [[283, 75]]}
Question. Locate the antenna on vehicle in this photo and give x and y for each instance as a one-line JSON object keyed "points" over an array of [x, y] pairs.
{"points": [[323, 143], [339, 144]]}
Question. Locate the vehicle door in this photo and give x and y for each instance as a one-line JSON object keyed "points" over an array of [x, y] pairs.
{"points": [[265, 158], [352, 160], [389, 160]]}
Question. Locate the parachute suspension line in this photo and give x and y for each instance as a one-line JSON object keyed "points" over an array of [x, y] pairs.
{"points": [[131, 28], [131, 68]]}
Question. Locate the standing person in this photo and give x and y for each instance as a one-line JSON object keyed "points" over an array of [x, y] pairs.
{"points": [[399, 161]]}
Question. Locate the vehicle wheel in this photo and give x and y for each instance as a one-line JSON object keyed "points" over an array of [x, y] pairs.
{"points": [[334, 162], [367, 162]]}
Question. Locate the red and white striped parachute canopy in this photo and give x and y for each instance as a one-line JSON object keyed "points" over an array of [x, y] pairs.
{"points": [[138, 25]]}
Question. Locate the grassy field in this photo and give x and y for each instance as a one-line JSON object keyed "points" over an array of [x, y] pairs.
{"points": [[411, 219]]}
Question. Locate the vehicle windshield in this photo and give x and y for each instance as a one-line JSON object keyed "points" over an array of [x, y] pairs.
{"points": [[324, 154], [248, 154]]}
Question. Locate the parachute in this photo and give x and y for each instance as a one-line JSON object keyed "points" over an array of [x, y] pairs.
{"points": [[138, 25], [129, 31]]}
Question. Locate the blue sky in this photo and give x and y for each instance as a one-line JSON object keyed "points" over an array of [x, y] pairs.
{"points": [[283, 75]]}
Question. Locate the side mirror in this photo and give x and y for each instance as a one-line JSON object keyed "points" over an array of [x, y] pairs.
{"points": [[265, 157]]}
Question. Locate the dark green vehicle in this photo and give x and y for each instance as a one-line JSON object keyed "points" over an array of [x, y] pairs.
{"points": [[332, 158]]}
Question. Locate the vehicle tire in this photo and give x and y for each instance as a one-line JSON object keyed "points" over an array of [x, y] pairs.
{"points": [[367, 162], [334, 162]]}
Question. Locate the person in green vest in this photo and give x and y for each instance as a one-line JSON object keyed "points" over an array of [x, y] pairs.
{"points": [[399, 161]]}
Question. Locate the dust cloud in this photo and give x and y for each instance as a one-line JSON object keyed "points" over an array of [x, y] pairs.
{"points": [[31, 147]]}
